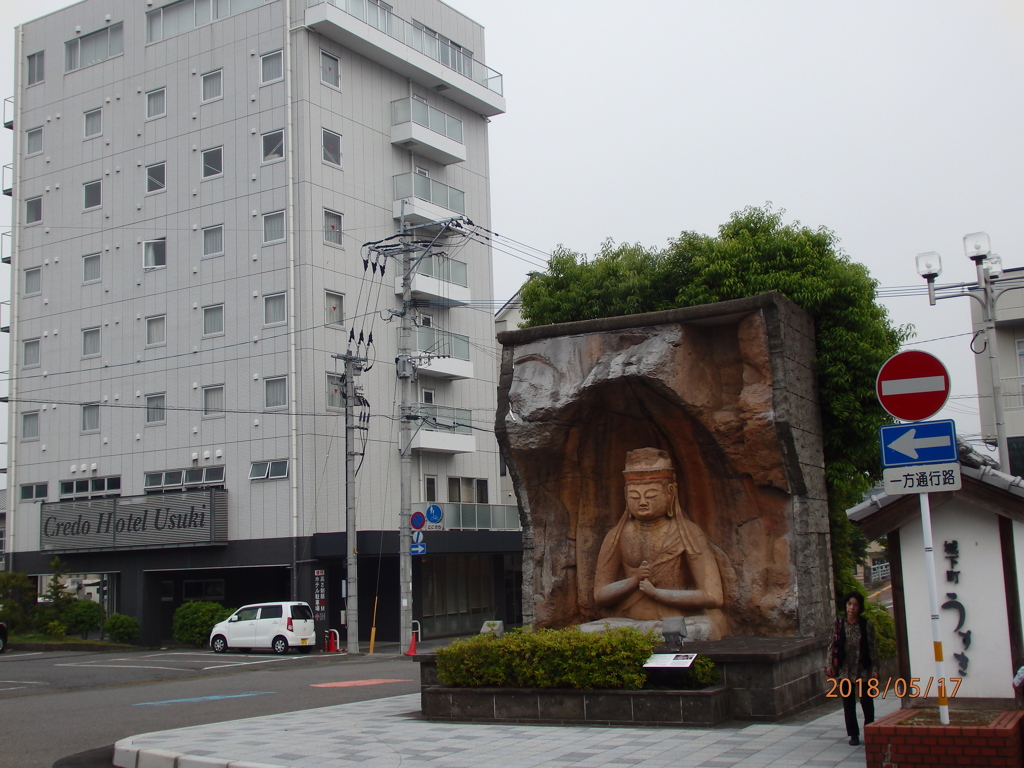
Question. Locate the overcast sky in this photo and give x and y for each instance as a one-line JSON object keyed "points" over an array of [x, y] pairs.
{"points": [[896, 125]]}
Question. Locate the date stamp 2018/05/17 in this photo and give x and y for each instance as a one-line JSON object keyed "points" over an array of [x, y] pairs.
{"points": [[900, 687]]}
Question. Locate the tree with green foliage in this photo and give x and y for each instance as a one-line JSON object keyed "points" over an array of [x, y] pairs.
{"points": [[17, 600], [82, 617], [755, 252], [57, 597]]}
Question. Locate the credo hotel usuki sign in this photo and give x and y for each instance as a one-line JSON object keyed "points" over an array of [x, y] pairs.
{"points": [[164, 520]]}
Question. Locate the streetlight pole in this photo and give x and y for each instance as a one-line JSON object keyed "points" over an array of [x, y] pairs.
{"points": [[989, 268]]}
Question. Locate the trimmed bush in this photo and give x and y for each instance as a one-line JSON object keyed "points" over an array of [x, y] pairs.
{"points": [[82, 616], [55, 630], [885, 628], [193, 621], [549, 658], [121, 628]]}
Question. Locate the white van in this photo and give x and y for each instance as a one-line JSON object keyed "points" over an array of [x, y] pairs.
{"points": [[277, 626]]}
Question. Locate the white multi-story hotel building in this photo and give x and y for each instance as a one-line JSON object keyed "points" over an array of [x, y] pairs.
{"points": [[194, 187]]}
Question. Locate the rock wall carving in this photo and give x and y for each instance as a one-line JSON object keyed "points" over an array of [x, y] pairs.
{"points": [[727, 390]]}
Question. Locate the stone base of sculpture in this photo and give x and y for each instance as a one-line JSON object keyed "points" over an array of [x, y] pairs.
{"points": [[697, 627]]}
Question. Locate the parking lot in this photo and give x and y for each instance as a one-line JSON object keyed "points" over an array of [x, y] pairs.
{"points": [[27, 673]]}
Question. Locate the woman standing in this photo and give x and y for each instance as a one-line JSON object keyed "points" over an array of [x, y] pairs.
{"points": [[853, 656]]}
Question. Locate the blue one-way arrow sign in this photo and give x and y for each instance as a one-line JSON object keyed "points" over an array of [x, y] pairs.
{"points": [[417, 549], [920, 442]]}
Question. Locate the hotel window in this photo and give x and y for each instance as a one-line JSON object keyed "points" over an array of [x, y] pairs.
{"points": [[275, 392], [33, 492], [90, 342], [213, 241], [93, 48], [213, 162], [274, 309], [334, 309], [213, 86], [33, 281], [332, 147], [156, 177], [34, 141], [273, 146], [155, 409], [271, 67], [335, 391], [213, 400], [179, 480], [30, 353], [154, 253], [93, 194], [35, 68], [91, 418], [330, 70], [213, 320], [33, 210], [156, 330], [156, 103], [332, 227], [92, 268], [273, 227], [93, 488], [268, 470], [93, 123], [429, 488]]}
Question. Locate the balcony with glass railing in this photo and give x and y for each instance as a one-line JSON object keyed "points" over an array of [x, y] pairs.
{"points": [[427, 131], [441, 280], [448, 352], [422, 200], [443, 430], [411, 51], [474, 517]]}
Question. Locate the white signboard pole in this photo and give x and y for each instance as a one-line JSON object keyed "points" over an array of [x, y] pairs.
{"points": [[933, 604]]}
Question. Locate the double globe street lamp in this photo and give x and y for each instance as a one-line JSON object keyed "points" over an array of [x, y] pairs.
{"points": [[989, 268]]}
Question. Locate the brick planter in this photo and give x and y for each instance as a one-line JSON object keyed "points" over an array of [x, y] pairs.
{"points": [[706, 707], [888, 744]]}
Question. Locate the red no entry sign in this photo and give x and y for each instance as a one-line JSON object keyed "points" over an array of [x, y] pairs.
{"points": [[913, 385]]}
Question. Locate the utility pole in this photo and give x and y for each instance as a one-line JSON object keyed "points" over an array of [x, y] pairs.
{"points": [[353, 367], [405, 373]]}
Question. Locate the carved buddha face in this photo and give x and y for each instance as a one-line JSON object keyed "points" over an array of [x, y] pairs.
{"points": [[650, 500]]}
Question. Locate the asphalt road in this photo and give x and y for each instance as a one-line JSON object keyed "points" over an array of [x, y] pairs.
{"points": [[56, 705]]}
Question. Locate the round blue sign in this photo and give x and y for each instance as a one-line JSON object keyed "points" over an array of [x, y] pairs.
{"points": [[434, 514], [417, 520]]}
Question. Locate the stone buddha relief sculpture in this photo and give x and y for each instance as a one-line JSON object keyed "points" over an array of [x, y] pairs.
{"points": [[656, 562]]}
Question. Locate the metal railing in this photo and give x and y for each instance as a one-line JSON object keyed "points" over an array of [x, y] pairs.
{"points": [[439, 418], [1013, 392], [417, 185], [415, 111], [444, 268], [422, 40], [880, 572], [434, 341], [475, 517]]}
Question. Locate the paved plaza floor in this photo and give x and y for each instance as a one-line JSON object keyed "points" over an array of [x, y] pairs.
{"points": [[387, 733]]}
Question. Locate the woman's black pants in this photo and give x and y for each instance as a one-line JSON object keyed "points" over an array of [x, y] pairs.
{"points": [[850, 710]]}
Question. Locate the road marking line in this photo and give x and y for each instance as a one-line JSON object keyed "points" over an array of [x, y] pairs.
{"points": [[23, 682], [21, 654], [356, 683], [243, 663], [200, 698], [122, 666]]}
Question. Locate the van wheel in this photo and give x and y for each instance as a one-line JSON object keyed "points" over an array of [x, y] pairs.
{"points": [[219, 644], [280, 645]]}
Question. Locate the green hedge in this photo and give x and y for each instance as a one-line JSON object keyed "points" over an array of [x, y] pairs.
{"points": [[549, 658], [121, 628], [193, 622]]}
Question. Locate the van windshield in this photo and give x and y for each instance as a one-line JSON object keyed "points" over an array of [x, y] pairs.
{"points": [[302, 612]]}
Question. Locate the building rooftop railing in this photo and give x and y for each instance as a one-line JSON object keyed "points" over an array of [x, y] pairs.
{"points": [[422, 40]]}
